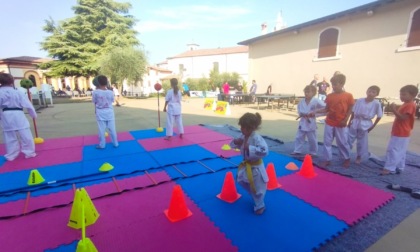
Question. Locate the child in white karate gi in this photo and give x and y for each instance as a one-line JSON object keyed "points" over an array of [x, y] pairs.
{"points": [[173, 103], [14, 121], [103, 99], [360, 123], [252, 175], [307, 124]]}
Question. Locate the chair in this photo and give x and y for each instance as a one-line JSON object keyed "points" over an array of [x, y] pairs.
{"points": [[46, 90], [35, 94]]}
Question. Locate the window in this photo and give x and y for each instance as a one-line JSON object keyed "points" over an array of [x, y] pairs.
{"points": [[414, 32], [32, 78], [216, 66], [328, 40]]}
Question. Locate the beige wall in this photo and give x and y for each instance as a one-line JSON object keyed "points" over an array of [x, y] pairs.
{"points": [[367, 54]]}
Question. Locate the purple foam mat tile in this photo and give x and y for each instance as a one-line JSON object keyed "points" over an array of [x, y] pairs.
{"points": [[151, 144], [93, 139], [211, 136], [38, 231], [190, 129], [59, 143], [142, 180], [50, 200], [12, 208], [216, 148], [351, 205], [44, 158], [127, 225]]}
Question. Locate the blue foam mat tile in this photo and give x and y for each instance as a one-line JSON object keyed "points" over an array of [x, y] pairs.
{"points": [[149, 133], [54, 176], [218, 164], [2, 161], [181, 154], [291, 226], [280, 162], [64, 248], [124, 148]]}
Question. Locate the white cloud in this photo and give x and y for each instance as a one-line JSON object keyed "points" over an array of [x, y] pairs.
{"points": [[193, 17]]}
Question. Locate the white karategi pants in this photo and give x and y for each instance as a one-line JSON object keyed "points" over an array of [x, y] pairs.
{"points": [[395, 153], [102, 126], [362, 143], [259, 183], [170, 120], [312, 141], [340, 135]]}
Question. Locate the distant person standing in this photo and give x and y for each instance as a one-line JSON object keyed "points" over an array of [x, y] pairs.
{"points": [[269, 89], [186, 91], [13, 120], [314, 81], [323, 88], [173, 103], [253, 90], [116, 95], [103, 99], [226, 89]]}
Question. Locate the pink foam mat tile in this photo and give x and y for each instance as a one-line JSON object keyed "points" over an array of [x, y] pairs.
{"points": [[93, 139], [12, 208], [142, 180], [207, 137], [190, 129], [151, 144], [351, 205], [44, 158], [216, 148], [50, 200], [138, 221], [37, 232]]}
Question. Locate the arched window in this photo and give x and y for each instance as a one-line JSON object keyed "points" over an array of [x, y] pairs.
{"points": [[328, 41], [32, 78], [414, 32]]}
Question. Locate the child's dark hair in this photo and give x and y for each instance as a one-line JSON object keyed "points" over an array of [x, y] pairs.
{"points": [[375, 88], [411, 89], [6, 79], [250, 121], [310, 88], [339, 78], [103, 81], [174, 85]]}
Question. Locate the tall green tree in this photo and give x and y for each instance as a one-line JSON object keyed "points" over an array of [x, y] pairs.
{"points": [[124, 63], [77, 43]]}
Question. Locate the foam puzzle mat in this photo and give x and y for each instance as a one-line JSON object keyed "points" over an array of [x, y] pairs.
{"points": [[131, 198]]}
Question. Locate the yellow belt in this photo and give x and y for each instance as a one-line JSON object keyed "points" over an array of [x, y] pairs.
{"points": [[248, 166]]}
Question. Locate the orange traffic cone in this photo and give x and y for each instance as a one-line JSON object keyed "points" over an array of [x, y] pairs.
{"points": [[177, 207], [272, 177], [229, 193], [307, 169]]}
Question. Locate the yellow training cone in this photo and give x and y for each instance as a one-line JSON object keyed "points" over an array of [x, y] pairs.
{"points": [[85, 244], [226, 147], [106, 167], [35, 178], [38, 140], [81, 198]]}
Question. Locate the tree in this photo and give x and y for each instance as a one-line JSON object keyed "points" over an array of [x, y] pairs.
{"points": [[217, 79], [124, 63], [77, 43]]}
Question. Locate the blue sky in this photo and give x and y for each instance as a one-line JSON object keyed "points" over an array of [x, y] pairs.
{"points": [[166, 26]]}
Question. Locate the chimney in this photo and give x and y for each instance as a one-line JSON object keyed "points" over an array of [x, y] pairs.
{"points": [[263, 28], [192, 47]]}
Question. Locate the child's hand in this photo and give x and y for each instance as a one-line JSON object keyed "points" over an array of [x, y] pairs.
{"points": [[343, 123], [371, 128], [164, 109], [238, 141], [393, 106]]}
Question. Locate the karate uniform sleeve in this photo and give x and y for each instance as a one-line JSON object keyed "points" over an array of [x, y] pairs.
{"points": [[259, 150]]}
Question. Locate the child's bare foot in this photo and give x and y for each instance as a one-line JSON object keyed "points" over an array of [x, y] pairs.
{"points": [[358, 160], [346, 163], [325, 163], [167, 138], [260, 211], [386, 172], [181, 135]]}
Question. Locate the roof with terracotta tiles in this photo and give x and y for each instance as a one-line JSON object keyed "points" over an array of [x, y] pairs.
{"points": [[216, 51]]}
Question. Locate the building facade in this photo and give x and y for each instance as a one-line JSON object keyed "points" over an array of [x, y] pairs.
{"points": [[197, 63], [373, 44]]}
